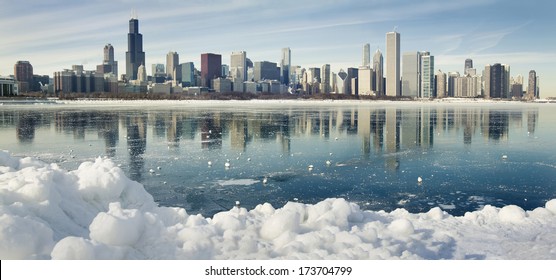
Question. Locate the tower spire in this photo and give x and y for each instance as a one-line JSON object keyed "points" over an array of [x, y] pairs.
{"points": [[133, 14]]}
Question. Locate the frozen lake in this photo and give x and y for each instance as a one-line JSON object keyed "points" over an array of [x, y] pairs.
{"points": [[467, 154]]}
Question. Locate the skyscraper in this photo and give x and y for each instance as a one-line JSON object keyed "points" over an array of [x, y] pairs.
{"points": [[238, 66], [211, 68], [325, 79], [532, 85], [188, 74], [109, 59], [496, 81], [285, 64], [172, 63], [378, 66], [410, 74], [342, 82], [135, 56], [427, 75], [393, 64], [440, 84], [366, 55], [468, 65], [23, 73]]}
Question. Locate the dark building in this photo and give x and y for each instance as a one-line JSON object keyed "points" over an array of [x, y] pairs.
{"points": [[23, 73], [468, 65], [211, 68], [496, 81], [353, 87], [135, 56], [264, 70]]}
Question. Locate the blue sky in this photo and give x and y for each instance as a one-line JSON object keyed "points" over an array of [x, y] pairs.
{"points": [[56, 34]]}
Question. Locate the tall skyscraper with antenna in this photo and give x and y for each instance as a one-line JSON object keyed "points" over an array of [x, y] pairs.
{"points": [[135, 56]]}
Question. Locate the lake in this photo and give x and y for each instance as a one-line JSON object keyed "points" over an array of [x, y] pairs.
{"points": [[205, 156]]}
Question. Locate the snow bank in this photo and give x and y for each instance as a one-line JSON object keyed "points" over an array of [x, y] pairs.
{"points": [[96, 212]]}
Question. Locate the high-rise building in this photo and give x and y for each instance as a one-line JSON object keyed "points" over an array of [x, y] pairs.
{"points": [[285, 64], [342, 82], [410, 74], [211, 68], [352, 80], [532, 86], [497, 81], [188, 74], [427, 75], [172, 63], [142, 73], [440, 84], [135, 56], [366, 55], [109, 59], [468, 65], [325, 79], [452, 76], [364, 81], [23, 74], [378, 67], [393, 64], [238, 66], [264, 70], [225, 70]]}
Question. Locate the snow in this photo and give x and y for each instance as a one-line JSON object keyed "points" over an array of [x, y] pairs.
{"points": [[96, 212]]}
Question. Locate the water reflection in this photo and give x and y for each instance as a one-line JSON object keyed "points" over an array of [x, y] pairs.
{"points": [[382, 130], [371, 148]]}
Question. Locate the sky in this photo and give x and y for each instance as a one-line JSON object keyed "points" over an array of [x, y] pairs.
{"points": [[54, 35]]}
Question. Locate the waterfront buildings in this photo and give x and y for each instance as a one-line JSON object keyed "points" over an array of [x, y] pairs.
{"points": [[393, 64], [325, 79], [211, 68], [135, 56], [188, 74]]}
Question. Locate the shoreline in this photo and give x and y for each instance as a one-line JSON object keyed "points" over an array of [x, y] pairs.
{"points": [[290, 102]]}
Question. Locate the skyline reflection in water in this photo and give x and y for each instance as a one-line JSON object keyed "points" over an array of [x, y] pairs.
{"points": [[370, 155]]}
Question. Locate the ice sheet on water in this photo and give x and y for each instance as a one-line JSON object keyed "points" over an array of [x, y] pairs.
{"points": [[237, 182], [96, 212]]}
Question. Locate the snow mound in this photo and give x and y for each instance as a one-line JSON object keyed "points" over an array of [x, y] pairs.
{"points": [[96, 212]]}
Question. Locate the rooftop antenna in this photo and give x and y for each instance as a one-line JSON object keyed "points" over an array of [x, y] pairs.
{"points": [[133, 14], [395, 28]]}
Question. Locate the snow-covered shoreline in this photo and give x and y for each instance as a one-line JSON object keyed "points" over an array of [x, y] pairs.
{"points": [[96, 212]]}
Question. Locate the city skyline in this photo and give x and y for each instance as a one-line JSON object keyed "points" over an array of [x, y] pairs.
{"points": [[318, 33]]}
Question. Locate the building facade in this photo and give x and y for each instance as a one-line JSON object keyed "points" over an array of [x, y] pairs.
{"points": [[378, 67], [285, 64], [411, 74], [427, 75], [393, 64], [366, 55], [238, 66], [264, 70], [23, 74], [532, 86], [211, 68], [172, 63]]}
